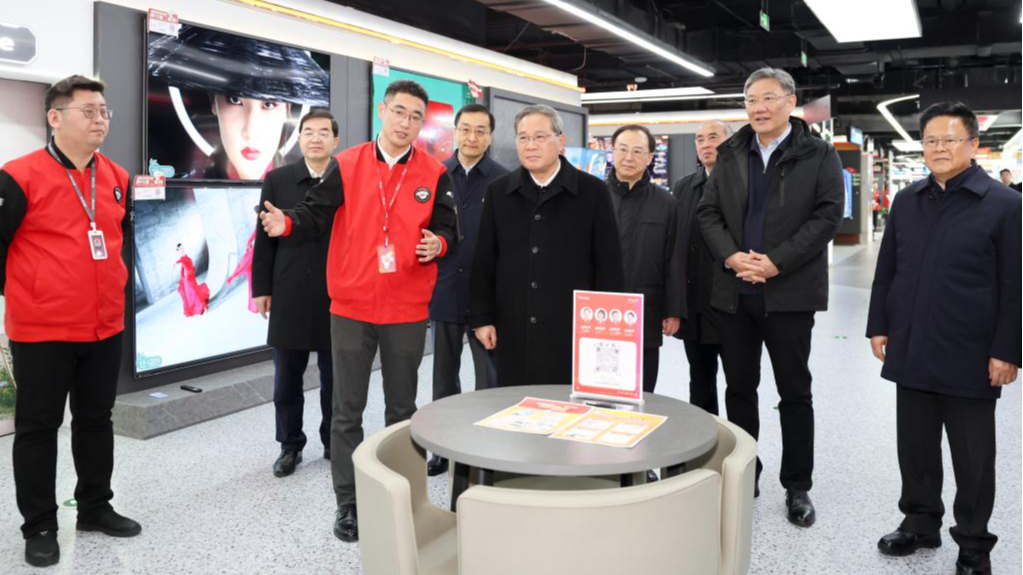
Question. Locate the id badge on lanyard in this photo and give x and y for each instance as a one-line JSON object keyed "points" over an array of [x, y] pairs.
{"points": [[387, 257], [96, 241]]}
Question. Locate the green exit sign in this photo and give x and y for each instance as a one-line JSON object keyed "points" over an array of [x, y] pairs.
{"points": [[804, 59], [765, 21]]}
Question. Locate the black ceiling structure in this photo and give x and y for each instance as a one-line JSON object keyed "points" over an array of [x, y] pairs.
{"points": [[970, 50]]}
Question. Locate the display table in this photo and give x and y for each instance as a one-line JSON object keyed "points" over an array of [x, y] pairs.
{"points": [[446, 428]]}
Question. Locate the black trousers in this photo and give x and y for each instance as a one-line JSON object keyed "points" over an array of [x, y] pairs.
{"points": [[289, 398], [970, 425], [355, 345], [703, 375], [46, 373], [447, 359], [651, 365], [787, 337]]}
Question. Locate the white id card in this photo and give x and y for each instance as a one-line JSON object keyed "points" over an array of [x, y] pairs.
{"points": [[97, 245]]}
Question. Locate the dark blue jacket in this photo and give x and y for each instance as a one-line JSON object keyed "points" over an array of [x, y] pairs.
{"points": [[450, 301], [947, 287]]}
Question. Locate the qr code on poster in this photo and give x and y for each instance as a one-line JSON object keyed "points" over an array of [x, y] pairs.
{"points": [[608, 358], [610, 364]]}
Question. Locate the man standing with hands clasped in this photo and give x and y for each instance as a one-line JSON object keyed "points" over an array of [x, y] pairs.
{"points": [[394, 217], [769, 209], [945, 321]]}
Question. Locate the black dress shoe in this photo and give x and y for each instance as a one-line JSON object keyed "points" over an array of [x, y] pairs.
{"points": [[651, 477], [971, 562], [756, 491], [112, 524], [437, 465], [801, 511], [326, 453], [286, 463], [42, 550], [346, 523], [901, 542]]}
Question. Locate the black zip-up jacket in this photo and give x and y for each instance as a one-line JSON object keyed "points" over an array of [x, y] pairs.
{"points": [[647, 226], [697, 264], [802, 217]]}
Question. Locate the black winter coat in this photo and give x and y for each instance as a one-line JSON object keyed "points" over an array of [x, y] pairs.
{"points": [[696, 262], [647, 225], [947, 288], [530, 255], [293, 270], [802, 217]]}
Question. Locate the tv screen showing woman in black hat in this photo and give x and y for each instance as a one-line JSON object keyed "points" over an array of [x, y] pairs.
{"points": [[226, 107]]}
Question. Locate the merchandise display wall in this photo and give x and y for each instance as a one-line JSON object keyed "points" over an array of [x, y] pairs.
{"points": [[121, 50]]}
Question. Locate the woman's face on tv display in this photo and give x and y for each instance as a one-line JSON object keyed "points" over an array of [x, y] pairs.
{"points": [[250, 132]]}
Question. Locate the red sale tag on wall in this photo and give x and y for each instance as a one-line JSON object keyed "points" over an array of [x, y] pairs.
{"points": [[163, 22], [607, 346]]}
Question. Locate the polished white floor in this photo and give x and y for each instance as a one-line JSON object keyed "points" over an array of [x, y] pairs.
{"points": [[209, 504]]}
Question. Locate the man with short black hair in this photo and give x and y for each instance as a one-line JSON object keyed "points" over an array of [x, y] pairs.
{"points": [[289, 275], [944, 321], [647, 224], [1006, 176], [394, 217], [471, 170], [62, 218]]}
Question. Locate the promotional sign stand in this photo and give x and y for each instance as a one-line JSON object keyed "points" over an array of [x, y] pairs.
{"points": [[607, 349]]}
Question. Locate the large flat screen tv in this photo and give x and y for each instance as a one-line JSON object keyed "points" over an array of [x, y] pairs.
{"points": [[222, 106], [193, 261]]}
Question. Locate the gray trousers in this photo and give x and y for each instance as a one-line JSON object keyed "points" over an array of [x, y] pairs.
{"points": [[447, 359], [354, 346]]}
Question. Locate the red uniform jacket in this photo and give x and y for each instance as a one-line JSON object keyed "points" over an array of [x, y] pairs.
{"points": [[351, 192], [54, 290]]}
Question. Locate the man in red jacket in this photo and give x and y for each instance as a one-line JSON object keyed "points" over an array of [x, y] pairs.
{"points": [[62, 212], [394, 215]]}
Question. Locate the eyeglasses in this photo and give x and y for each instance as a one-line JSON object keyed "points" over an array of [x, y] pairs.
{"points": [[769, 100], [540, 139], [465, 131], [636, 152], [322, 134], [90, 112], [401, 114], [949, 143]]}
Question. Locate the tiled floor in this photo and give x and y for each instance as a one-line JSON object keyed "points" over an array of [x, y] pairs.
{"points": [[209, 503]]}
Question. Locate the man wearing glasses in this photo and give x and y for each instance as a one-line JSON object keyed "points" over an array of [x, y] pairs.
{"points": [[647, 221], [289, 282], [62, 220], [944, 321], [471, 170], [769, 209], [547, 229], [393, 215]]}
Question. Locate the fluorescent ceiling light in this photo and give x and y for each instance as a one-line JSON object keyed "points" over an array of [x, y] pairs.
{"points": [[867, 20], [1014, 144], [662, 99], [589, 16], [639, 95], [908, 146], [883, 108]]}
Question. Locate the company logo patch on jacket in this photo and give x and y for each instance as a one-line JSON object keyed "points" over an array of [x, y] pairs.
{"points": [[117, 194], [423, 195]]}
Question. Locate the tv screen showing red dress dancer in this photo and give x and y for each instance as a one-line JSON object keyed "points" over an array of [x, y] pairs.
{"points": [[193, 256]]}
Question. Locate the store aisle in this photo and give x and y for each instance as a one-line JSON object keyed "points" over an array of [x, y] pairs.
{"points": [[209, 503]]}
